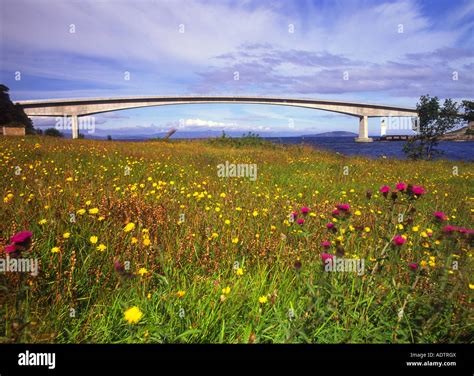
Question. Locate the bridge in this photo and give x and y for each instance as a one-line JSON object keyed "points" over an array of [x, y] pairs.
{"points": [[88, 106]]}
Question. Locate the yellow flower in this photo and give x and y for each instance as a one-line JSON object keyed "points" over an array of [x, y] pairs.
{"points": [[217, 209], [272, 228], [226, 290], [81, 211], [262, 300], [66, 235], [400, 226], [222, 195], [146, 242], [471, 286], [101, 247], [357, 212], [69, 179], [88, 202], [235, 240], [93, 211], [133, 315], [93, 239], [415, 228], [424, 234], [255, 213], [181, 293], [227, 222], [101, 218], [238, 208], [42, 221], [367, 229], [240, 271], [55, 250], [129, 227], [142, 271]]}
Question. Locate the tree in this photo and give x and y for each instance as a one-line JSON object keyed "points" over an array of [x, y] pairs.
{"points": [[434, 121], [468, 107], [53, 132], [109, 137], [11, 114]]}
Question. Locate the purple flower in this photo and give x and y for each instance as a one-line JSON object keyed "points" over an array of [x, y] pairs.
{"points": [[326, 244]]}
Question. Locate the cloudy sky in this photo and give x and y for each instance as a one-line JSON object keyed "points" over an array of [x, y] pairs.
{"points": [[388, 52]]}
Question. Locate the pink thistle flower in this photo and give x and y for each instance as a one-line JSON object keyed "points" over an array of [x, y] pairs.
{"points": [[401, 186], [326, 256], [21, 237], [440, 216], [413, 266], [10, 248], [449, 229], [343, 207], [399, 240], [335, 212], [385, 189], [326, 244], [330, 225], [418, 190], [305, 210], [300, 221]]}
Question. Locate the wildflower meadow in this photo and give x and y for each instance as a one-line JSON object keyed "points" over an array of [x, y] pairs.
{"points": [[146, 242]]}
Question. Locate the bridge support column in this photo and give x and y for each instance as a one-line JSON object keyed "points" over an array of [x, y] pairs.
{"points": [[363, 130], [74, 126]]}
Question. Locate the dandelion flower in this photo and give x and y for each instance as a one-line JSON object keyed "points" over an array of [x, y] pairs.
{"points": [[142, 271], [240, 271], [133, 315], [55, 250], [226, 290], [181, 293], [42, 221], [129, 227], [93, 239], [101, 247], [262, 300], [66, 235]]}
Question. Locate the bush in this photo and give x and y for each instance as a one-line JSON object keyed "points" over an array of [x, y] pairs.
{"points": [[53, 132], [249, 139]]}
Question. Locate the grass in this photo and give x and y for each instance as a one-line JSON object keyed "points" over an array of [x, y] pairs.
{"points": [[257, 278]]}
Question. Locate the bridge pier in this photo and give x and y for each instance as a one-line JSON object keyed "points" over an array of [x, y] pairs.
{"points": [[363, 130], [74, 126]]}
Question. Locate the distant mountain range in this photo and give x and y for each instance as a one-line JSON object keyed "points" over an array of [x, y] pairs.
{"points": [[332, 134]]}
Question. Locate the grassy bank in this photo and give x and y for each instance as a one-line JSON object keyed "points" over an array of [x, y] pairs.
{"points": [[208, 259]]}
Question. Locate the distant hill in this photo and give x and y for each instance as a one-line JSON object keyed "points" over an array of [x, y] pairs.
{"points": [[332, 134]]}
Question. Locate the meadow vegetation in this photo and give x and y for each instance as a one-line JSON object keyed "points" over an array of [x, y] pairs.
{"points": [[142, 242]]}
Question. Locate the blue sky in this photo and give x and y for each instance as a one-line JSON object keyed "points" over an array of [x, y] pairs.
{"points": [[393, 51]]}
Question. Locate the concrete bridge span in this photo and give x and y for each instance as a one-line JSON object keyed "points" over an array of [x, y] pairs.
{"points": [[89, 106]]}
